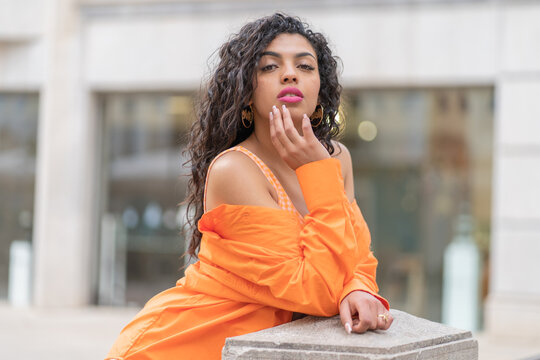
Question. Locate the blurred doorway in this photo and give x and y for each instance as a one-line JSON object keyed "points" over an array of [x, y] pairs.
{"points": [[142, 186], [18, 143], [422, 158]]}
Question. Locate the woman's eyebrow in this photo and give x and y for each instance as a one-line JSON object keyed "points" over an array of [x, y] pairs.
{"points": [[275, 54]]}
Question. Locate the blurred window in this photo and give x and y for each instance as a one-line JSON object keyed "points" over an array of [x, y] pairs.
{"points": [[143, 184], [421, 158], [18, 136]]}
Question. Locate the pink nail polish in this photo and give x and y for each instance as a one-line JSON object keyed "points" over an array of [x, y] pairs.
{"points": [[274, 107], [284, 107]]}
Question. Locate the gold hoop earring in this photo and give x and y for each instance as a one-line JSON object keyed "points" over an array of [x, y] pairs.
{"points": [[247, 115], [317, 115]]}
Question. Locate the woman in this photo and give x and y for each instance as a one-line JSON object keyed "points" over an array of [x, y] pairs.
{"points": [[278, 228]]}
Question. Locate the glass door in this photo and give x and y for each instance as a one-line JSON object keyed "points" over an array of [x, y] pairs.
{"points": [[143, 185], [422, 160], [18, 136]]}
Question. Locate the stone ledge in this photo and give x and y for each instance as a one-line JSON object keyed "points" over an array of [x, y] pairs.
{"points": [[317, 338]]}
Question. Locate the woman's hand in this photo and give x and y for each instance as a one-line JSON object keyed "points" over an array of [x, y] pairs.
{"points": [[361, 311], [296, 150]]}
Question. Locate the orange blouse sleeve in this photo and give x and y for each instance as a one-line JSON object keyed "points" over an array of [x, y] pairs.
{"points": [[366, 266], [302, 268]]}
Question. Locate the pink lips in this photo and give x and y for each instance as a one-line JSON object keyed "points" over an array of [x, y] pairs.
{"points": [[290, 95]]}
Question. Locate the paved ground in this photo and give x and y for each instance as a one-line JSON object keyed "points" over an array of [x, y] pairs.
{"points": [[522, 348], [59, 334], [87, 334]]}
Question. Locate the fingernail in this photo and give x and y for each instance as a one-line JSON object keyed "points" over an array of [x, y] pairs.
{"points": [[348, 328], [284, 107], [274, 107], [271, 116]]}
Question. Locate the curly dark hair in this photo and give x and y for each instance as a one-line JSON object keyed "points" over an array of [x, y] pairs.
{"points": [[229, 89]]}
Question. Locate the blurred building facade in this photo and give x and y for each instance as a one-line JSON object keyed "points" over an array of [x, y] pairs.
{"points": [[440, 105]]}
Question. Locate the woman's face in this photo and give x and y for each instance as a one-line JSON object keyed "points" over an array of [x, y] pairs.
{"points": [[287, 74]]}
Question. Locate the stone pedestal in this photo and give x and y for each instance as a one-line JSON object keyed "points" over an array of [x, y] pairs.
{"points": [[318, 338]]}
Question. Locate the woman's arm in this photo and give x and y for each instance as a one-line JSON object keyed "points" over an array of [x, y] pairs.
{"points": [[360, 299]]}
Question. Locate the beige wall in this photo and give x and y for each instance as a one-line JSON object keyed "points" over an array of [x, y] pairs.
{"points": [[514, 301], [433, 45]]}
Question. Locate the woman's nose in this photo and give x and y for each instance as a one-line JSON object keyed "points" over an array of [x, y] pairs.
{"points": [[289, 75]]}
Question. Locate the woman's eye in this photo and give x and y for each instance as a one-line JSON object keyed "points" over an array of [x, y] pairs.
{"points": [[269, 67], [306, 67]]}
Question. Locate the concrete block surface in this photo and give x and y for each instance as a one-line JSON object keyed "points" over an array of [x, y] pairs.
{"points": [[316, 338]]}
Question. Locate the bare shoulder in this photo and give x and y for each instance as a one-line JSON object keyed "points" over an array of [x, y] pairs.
{"points": [[235, 179], [344, 156]]}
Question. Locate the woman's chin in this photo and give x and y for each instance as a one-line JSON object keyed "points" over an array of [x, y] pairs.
{"points": [[297, 120], [296, 116]]}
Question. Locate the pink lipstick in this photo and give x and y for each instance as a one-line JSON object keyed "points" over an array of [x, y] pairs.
{"points": [[290, 95]]}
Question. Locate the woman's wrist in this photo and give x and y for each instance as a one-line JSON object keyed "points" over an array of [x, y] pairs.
{"points": [[321, 182]]}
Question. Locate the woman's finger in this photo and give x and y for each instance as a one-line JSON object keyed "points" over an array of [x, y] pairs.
{"points": [[384, 319], [390, 321], [288, 126], [307, 129], [280, 136], [345, 316], [367, 318], [280, 131], [311, 139], [273, 134], [374, 308]]}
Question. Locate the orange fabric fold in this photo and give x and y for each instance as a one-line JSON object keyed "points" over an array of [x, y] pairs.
{"points": [[256, 266]]}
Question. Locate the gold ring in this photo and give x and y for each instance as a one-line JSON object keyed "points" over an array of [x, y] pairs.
{"points": [[384, 316]]}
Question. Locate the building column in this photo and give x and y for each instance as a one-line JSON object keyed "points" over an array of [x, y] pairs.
{"points": [[514, 300], [64, 205]]}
